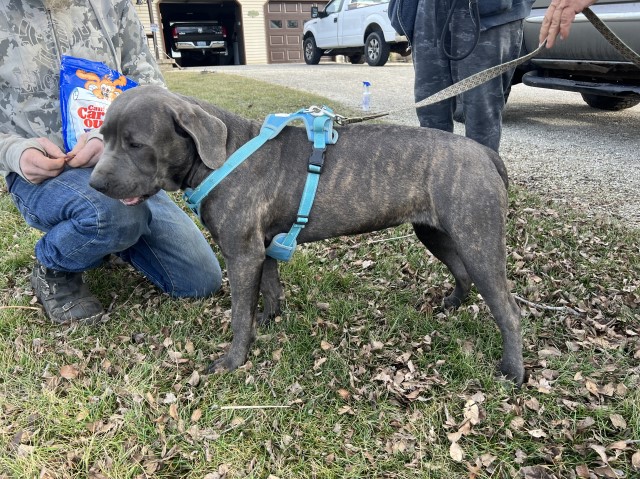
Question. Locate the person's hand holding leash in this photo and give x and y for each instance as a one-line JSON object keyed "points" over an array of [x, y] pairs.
{"points": [[37, 166], [559, 17], [86, 153]]}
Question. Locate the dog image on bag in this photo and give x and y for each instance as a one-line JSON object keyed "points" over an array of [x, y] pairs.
{"points": [[451, 189], [104, 88]]}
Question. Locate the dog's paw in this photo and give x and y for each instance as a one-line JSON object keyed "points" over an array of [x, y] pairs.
{"points": [[226, 363], [452, 302], [263, 319], [517, 374]]}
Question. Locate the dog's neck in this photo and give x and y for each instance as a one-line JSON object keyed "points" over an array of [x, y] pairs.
{"points": [[198, 170], [196, 174]]}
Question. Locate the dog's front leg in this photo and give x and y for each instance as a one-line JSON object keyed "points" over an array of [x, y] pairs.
{"points": [[244, 272], [272, 292]]}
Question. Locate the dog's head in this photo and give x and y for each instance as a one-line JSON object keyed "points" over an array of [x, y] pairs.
{"points": [[152, 139]]}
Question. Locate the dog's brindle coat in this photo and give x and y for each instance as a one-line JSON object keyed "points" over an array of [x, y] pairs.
{"points": [[451, 189]]}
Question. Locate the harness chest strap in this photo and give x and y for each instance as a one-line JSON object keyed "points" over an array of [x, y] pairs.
{"points": [[319, 126], [283, 245]]}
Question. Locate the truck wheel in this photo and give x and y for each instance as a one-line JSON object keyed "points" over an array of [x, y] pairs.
{"points": [[356, 59], [376, 50], [312, 54], [610, 103]]}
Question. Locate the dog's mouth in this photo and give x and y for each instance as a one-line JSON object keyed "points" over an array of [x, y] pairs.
{"points": [[136, 200]]}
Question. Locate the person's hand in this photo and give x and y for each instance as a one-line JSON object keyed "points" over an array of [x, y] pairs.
{"points": [[37, 166], [559, 17], [86, 153]]}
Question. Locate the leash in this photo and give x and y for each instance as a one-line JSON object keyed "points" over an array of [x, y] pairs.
{"points": [[486, 75]]}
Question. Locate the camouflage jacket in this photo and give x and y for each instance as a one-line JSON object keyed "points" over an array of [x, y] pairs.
{"points": [[32, 41]]}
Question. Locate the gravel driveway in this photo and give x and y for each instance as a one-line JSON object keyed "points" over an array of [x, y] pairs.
{"points": [[552, 141]]}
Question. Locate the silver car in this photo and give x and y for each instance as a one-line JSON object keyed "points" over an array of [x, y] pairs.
{"points": [[585, 62]]}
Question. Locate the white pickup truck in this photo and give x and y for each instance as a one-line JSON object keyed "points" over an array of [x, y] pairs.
{"points": [[358, 29]]}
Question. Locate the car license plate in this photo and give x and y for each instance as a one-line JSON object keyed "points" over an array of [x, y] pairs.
{"points": [[202, 44]]}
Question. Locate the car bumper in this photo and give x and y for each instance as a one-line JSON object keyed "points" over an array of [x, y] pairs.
{"points": [[535, 79]]}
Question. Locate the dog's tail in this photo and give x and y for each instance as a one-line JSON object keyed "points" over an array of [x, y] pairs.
{"points": [[500, 166]]}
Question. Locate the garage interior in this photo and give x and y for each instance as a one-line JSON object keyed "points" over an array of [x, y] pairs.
{"points": [[227, 13]]}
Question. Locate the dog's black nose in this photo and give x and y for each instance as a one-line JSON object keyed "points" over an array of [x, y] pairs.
{"points": [[99, 183]]}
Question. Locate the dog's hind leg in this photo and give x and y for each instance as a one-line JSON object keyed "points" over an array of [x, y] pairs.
{"points": [[484, 255], [272, 291], [442, 247]]}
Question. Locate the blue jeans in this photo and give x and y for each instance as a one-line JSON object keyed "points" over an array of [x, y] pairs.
{"points": [[83, 226]]}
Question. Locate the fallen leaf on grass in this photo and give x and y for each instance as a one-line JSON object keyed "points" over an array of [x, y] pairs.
{"points": [[196, 415], [537, 472], [618, 421], [456, 452], [173, 411], [69, 372], [582, 471], [608, 472], [194, 379]]}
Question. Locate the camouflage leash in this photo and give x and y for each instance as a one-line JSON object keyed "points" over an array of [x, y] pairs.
{"points": [[486, 75]]}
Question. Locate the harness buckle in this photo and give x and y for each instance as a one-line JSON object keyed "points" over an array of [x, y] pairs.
{"points": [[316, 160], [315, 110]]}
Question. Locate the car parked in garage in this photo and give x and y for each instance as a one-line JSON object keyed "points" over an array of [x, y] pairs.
{"points": [[585, 62], [199, 41]]}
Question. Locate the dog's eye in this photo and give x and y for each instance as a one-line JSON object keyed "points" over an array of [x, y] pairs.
{"points": [[135, 146]]}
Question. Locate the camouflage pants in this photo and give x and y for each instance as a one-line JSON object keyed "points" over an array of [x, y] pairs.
{"points": [[482, 105]]}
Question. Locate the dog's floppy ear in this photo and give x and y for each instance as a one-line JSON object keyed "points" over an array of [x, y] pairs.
{"points": [[208, 132]]}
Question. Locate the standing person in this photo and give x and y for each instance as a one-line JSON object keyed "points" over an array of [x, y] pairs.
{"points": [[51, 189], [454, 39]]}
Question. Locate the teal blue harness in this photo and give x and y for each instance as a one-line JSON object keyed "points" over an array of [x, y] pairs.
{"points": [[319, 125]]}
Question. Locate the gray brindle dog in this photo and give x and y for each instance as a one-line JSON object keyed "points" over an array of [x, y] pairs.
{"points": [[451, 189]]}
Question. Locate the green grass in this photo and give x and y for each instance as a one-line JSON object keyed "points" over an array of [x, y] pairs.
{"points": [[376, 377]]}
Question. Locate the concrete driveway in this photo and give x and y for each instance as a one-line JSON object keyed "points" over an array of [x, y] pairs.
{"points": [[553, 143]]}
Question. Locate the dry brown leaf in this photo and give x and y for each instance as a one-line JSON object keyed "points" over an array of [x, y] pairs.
{"points": [[173, 411], [635, 460], [456, 452], [319, 363], [517, 422], [618, 445], [618, 421], [472, 412], [606, 471], [194, 379], [585, 423], [196, 415], [69, 372], [602, 452], [532, 404], [582, 471], [537, 472], [537, 433], [591, 387], [344, 394], [325, 345]]}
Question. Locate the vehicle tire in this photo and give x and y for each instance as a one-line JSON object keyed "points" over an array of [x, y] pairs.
{"points": [[376, 49], [312, 53], [609, 103], [356, 59]]}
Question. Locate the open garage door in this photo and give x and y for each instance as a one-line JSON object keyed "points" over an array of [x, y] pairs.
{"points": [[285, 21], [223, 12]]}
